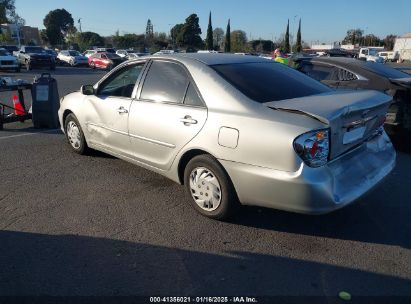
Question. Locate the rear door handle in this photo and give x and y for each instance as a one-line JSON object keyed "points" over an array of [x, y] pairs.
{"points": [[121, 110], [188, 120]]}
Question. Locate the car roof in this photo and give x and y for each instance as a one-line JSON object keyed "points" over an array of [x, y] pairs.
{"points": [[212, 58]]}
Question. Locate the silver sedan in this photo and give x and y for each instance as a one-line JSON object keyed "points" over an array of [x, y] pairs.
{"points": [[235, 130]]}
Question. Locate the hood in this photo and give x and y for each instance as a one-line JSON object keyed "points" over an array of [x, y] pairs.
{"points": [[8, 57], [353, 116]]}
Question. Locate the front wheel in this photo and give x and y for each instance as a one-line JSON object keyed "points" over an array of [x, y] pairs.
{"points": [[75, 135], [210, 188], [28, 66]]}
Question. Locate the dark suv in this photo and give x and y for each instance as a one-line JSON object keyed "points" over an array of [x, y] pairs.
{"points": [[35, 56]]}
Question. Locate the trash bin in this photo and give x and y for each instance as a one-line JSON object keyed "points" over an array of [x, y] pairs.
{"points": [[46, 102]]}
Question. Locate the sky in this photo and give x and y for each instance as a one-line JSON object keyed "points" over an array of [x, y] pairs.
{"points": [[321, 21]]}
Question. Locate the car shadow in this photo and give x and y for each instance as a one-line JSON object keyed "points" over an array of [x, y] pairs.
{"points": [[381, 217], [59, 265]]}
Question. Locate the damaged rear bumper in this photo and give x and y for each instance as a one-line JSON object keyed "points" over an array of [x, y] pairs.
{"points": [[316, 190]]}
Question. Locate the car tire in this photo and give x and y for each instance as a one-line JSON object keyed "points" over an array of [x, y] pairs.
{"points": [[92, 65], [75, 135], [28, 66], [210, 188], [18, 70]]}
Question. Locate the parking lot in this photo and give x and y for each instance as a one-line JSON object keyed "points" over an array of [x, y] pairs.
{"points": [[96, 225]]}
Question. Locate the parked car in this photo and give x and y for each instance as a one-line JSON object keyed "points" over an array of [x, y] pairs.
{"points": [[235, 128], [73, 58], [345, 73], [130, 54], [35, 56], [105, 61], [11, 49], [389, 56], [370, 54], [88, 53], [8, 62], [52, 53]]}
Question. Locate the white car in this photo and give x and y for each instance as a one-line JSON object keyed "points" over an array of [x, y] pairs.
{"points": [[73, 58], [8, 62]]}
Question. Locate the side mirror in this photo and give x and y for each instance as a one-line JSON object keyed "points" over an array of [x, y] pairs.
{"points": [[87, 89]]}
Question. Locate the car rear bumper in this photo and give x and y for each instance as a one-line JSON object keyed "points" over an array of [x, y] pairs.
{"points": [[315, 190]]}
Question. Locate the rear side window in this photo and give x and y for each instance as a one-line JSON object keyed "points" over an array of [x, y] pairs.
{"points": [[165, 82], [318, 72], [269, 81], [192, 97]]}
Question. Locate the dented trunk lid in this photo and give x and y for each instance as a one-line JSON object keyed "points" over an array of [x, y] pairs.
{"points": [[353, 116]]}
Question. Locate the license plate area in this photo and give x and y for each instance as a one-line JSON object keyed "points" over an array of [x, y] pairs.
{"points": [[353, 135]]}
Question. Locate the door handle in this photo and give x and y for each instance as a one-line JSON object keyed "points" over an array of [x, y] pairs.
{"points": [[121, 110], [188, 120]]}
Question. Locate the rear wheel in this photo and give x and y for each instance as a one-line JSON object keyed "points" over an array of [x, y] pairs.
{"points": [[92, 65], [28, 66], [75, 135], [209, 187]]}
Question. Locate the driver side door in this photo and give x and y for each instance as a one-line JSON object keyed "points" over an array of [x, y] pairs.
{"points": [[108, 109]]}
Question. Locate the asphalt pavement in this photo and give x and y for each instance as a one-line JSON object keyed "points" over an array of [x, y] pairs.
{"points": [[97, 225]]}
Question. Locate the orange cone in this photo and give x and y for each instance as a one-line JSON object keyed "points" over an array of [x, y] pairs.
{"points": [[18, 108]]}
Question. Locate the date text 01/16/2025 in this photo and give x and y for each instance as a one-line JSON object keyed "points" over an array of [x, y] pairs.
{"points": [[203, 300]]}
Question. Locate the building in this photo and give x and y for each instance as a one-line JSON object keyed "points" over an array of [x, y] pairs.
{"points": [[335, 45], [21, 35], [403, 46]]}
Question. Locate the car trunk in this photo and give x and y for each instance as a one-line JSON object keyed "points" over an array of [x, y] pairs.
{"points": [[353, 116]]}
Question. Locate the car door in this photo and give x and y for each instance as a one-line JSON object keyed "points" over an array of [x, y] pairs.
{"points": [[167, 115], [108, 110]]}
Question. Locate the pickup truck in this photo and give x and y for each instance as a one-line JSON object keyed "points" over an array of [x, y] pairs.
{"points": [[370, 54], [35, 56]]}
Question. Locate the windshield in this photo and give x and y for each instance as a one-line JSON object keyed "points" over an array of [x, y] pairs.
{"points": [[35, 49], [269, 81], [74, 53], [4, 53], [373, 52]]}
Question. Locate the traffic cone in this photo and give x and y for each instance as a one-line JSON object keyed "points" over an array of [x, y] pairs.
{"points": [[18, 108]]}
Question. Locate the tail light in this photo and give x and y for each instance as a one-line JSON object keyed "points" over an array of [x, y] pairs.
{"points": [[313, 147]]}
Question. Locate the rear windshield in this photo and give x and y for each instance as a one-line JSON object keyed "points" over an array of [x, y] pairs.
{"points": [[383, 70], [112, 56], [269, 81]]}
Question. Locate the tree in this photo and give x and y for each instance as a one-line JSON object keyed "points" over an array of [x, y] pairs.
{"points": [[227, 43], [218, 35], [129, 41], [86, 40], [209, 39], [191, 32], [262, 46], [298, 44], [238, 41], [57, 23], [177, 34], [353, 36], [372, 40], [5, 37], [188, 33], [8, 13], [287, 38], [389, 42]]}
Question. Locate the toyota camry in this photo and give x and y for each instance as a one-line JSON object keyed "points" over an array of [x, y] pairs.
{"points": [[236, 130]]}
